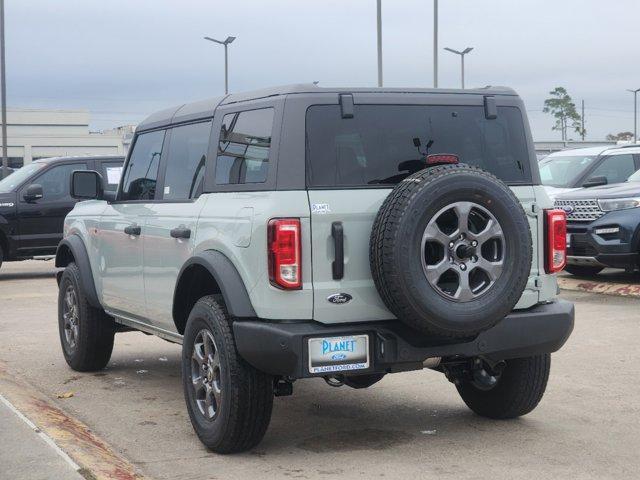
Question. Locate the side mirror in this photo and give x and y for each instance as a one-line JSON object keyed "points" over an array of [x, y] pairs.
{"points": [[595, 182], [87, 185], [33, 192]]}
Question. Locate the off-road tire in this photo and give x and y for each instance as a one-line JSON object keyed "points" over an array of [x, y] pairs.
{"points": [[246, 393], [518, 391], [395, 250], [96, 329], [583, 270]]}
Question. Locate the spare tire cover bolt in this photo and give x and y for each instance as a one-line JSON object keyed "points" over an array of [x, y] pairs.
{"points": [[451, 244], [474, 243], [463, 266]]}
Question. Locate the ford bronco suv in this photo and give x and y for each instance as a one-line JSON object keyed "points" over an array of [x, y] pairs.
{"points": [[305, 232]]}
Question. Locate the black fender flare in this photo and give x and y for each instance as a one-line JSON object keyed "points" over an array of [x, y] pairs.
{"points": [[75, 245], [226, 275]]}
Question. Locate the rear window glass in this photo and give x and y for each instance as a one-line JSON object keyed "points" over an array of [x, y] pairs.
{"points": [[376, 146]]}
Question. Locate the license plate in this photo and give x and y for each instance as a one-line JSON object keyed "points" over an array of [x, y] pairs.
{"points": [[568, 240], [338, 354]]}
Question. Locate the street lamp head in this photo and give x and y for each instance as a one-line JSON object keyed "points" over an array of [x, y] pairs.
{"points": [[214, 40], [229, 40], [467, 50], [452, 51], [634, 91]]}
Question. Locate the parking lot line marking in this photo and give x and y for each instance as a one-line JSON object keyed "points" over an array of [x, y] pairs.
{"points": [[48, 440], [91, 456]]}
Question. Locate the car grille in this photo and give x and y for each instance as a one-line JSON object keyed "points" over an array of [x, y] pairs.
{"points": [[580, 210], [581, 247]]}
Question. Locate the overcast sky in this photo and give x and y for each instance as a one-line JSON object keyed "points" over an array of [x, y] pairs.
{"points": [[124, 59]]}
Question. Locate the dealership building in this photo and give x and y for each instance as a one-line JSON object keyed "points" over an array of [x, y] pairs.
{"points": [[34, 134]]}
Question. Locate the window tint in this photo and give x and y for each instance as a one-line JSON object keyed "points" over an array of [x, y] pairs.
{"points": [[56, 182], [617, 168], [243, 149], [111, 172], [142, 170], [376, 145], [186, 161]]}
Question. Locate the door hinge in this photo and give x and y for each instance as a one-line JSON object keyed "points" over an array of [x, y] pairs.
{"points": [[534, 211]]}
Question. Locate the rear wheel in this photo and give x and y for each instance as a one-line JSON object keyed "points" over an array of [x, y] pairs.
{"points": [[583, 270], [516, 392], [86, 332], [229, 402]]}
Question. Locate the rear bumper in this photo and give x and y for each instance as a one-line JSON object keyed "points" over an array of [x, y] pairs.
{"points": [[280, 348]]}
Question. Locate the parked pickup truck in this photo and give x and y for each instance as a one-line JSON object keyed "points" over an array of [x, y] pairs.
{"points": [[302, 232], [35, 199]]}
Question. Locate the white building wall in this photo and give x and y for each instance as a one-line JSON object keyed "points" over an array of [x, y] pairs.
{"points": [[33, 134]]}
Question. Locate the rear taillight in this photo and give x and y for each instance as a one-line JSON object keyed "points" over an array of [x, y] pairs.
{"points": [[556, 242], [284, 245]]}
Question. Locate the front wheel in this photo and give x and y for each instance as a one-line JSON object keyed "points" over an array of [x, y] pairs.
{"points": [[518, 389], [86, 332], [229, 402], [583, 270]]}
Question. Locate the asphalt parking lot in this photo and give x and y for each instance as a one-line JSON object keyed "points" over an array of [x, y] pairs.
{"points": [[410, 425]]}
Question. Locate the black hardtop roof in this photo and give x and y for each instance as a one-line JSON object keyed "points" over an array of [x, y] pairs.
{"points": [[206, 108], [71, 158]]}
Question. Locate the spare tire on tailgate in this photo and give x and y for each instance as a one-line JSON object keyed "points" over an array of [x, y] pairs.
{"points": [[450, 250]]}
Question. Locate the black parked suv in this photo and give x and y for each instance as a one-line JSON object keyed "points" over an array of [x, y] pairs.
{"points": [[603, 227], [35, 199]]}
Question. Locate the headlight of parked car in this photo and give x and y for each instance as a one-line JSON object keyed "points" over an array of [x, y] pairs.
{"points": [[609, 204]]}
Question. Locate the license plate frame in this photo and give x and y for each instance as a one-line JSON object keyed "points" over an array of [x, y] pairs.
{"points": [[337, 354]]}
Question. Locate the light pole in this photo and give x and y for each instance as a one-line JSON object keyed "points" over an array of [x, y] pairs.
{"points": [[635, 113], [3, 95], [226, 59], [435, 43], [379, 29], [462, 54]]}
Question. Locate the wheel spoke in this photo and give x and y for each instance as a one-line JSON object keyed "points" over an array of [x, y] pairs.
{"points": [[206, 340], [433, 232], [215, 362], [217, 395], [197, 354], [434, 272], [198, 383], [463, 209], [492, 269], [463, 293], [208, 401]]}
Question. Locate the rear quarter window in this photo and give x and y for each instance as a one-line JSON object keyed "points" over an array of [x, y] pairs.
{"points": [[376, 146]]}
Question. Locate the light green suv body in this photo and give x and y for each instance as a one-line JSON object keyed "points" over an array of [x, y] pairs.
{"points": [[136, 276], [274, 233]]}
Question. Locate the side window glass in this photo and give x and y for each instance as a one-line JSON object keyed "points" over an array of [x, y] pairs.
{"points": [[111, 172], [617, 168], [243, 149], [187, 157], [142, 169], [56, 182]]}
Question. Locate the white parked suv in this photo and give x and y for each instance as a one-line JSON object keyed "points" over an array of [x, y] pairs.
{"points": [[571, 169]]}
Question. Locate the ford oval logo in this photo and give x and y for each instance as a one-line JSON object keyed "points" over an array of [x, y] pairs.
{"points": [[567, 208], [338, 356], [339, 298]]}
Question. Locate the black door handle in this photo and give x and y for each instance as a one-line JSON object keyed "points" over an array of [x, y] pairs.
{"points": [[132, 230], [180, 232], [337, 267]]}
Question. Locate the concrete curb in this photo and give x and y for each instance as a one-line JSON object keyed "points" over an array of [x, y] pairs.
{"points": [[604, 288]]}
